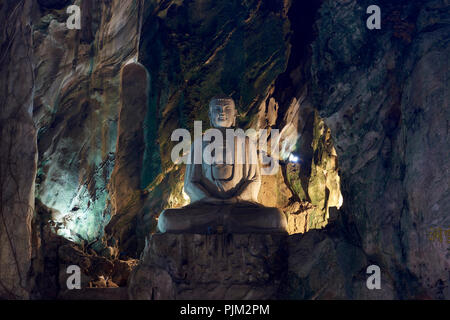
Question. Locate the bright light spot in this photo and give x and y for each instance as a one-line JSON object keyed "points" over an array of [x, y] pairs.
{"points": [[293, 158], [185, 196], [341, 201], [133, 59], [288, 140]]}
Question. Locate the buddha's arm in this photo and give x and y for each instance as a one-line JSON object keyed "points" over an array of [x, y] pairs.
{"points": [[192, 182], [192, 185], [197, 192], [250, 188]]}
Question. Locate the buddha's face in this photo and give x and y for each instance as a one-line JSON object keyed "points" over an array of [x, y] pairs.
{"points": [[222, 113]]}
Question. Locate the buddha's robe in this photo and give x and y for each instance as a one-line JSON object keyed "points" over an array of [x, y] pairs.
{"points": [[225, 180]]}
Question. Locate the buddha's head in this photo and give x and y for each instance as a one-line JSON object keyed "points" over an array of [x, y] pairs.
{"points": [[222, 112]]}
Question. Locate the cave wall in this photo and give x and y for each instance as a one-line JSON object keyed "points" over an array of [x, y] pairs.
{"points": [[76, 108], [59, 102], [384, 94], [18, 150]]}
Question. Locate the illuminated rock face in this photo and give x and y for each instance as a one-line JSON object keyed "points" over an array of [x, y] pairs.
{"points": [[76, 108], [194, 266]]}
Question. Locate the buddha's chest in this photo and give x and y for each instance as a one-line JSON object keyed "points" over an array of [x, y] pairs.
{"points": [[224, 165]]}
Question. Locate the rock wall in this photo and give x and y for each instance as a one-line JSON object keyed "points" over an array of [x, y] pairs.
{"points": [[18, 150], [385, 96], [76, 108], [59, 101], [125, 184]]}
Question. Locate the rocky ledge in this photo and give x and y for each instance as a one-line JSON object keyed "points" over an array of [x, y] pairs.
{"points": [[217, 266]]}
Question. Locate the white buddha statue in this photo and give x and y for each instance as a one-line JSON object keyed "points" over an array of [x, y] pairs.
{"points": [[221, 182], [223, 193]]}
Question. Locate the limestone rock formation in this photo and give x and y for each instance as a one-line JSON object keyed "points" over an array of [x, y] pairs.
{"points": [[385, 96], [125, 183], [76, 106], [18, 150], [330, 264]]}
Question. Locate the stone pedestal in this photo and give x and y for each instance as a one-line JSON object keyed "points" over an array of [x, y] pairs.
{"points": [[218, 266]]}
